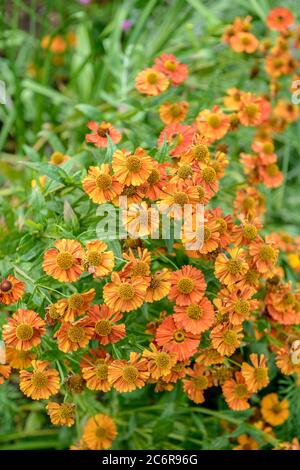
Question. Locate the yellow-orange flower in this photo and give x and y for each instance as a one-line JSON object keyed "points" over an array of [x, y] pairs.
{"points": [[73, 335], [132, 168], [41, 383], [98, 260], [256, 375], [173, 112], [226, 338], [274, 411], [151, 82], [75, 305], [123, 294], [236, 393], [61, 414], [23, 330], [233, 268], [160, 362], [159, 286], [99, 432], [94, 368], [100, 185], [126, 376], [64, 262], [11, 290]]}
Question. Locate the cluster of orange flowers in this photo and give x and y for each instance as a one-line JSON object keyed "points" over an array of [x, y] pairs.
{"points": [[197, 335]]}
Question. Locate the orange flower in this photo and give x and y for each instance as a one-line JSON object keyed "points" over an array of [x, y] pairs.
{"points": [[188, 286], [270, 175], [94, 368], [274, 412], [236, 393], [226, 338], [159, 286], [254, 110], [99, 432], [55, 44], [256, 375], [195, 318], [246, 442], [209, 357], [75, 305], [61, 414], [64, 262], [236, 303], [231, 269], [264, 256], [175, 339], [98, 261], [198, 381], [172, 68], [244, 42], [100, 185], [138, 266], [57, 158], [103, 321], [127, 376], [280, 18], [19, 359], [160, 362], [156, 181], [214, 124], [176, 196], [233, 98], [11, 290], [72, 336], [5, 371], [179, 136], [171, 113], [132, 169], [23, 330], [151, 82], [101, 133], [124, 294], [41, 383]]}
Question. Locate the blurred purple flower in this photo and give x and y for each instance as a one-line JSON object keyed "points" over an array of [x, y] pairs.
{"points": [[126, 25]]}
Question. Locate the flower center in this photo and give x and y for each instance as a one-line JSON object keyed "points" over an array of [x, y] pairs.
{"points": [[152, 78], [154, 177], [5, 285], [266, 253], [75, 301], [104, 182], [39, 379], [179, 336], [180, 198], [154, 283], [24, 332], [103, 327], [175, 110], [76, 333], [66, 410], [272, 169], [57, 158], [209, 174], [251, 276], [230, 337], [201, 152], [242, 307], [126, 291], [130, 374], [214, 121], [200, 382], [249, 231], [162, 360], [268, 147], [261, 374], [241, 391], [170, 65], [103, 131], [53, 312], [133, 164], [101, 433], [289, 299], [222, 226], [251, 109], [194, 312], [102, 370], [185, 285], [201, 192], [140, 268], [249, 202], [94, 258], [246, 40], [64, 260], [234, 266], [185, 171], [129, 191], [276, 409]]}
